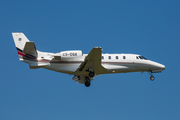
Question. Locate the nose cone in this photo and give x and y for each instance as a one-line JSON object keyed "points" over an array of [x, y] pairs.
{"points": [[162, 66], [157, 67]]}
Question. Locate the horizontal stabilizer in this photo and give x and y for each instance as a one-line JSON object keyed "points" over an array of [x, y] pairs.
{"points": [[36, 65], [30, 48], [56, 59], [39, 64]]}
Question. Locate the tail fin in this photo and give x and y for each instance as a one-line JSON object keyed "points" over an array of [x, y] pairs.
{"points": [[24, 47], [20, 40]]}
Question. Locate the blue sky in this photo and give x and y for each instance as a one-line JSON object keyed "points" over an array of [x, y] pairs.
{"points": [[150, 28]]}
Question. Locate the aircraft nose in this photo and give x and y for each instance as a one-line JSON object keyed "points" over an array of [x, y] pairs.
{"points": [[162, 67], [157, 67]]}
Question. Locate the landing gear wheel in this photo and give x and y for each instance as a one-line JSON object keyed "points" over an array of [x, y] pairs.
{"points": [[152, 78], [91, 74], [87, 83]]}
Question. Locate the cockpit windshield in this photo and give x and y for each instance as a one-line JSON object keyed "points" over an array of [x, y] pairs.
{"points": [[141, 57]]}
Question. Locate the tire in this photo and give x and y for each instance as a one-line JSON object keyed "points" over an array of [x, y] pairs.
{"points": [[87, 83], [91, 74], [152, 78]]}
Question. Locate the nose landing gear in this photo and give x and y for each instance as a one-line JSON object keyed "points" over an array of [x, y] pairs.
{"points": [[152, 77]]}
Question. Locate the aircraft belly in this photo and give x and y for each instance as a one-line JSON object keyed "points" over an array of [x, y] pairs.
{"points": [[68, 67], [123, 67]]}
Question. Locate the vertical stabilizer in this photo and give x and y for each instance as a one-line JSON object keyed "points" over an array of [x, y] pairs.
{"points": [[20, 40]]}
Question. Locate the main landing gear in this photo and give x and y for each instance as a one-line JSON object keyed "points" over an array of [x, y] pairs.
{"points": [[91, 74], [87, 79], [88, 82]]}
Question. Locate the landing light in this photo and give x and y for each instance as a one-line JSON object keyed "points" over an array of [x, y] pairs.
{"points": [[113, 71]]}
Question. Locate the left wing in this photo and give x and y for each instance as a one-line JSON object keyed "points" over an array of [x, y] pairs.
{"points": [[92, 63]]}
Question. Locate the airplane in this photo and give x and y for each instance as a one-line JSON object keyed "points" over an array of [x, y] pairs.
{"points": [[84, 67]]}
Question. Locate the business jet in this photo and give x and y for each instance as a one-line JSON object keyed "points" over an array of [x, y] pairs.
{"points": [[84, 67]]}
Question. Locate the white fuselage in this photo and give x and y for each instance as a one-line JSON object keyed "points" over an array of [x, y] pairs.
{"points": [[84, 67], [114, 63]]}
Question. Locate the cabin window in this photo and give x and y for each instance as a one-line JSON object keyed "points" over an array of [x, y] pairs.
{"points": [[109, 57], [116, 57], [124, 57], [20, 39], [102, 57]]}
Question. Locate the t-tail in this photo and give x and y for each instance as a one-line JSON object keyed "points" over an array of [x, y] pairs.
{"points": [[27, 52], [25, 48]]}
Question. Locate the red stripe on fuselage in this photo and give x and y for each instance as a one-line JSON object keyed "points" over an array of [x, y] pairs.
{"points": [[32, 58], [21, 54]]}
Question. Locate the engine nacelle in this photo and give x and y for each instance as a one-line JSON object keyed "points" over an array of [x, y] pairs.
{"points": [[69, 55]]}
